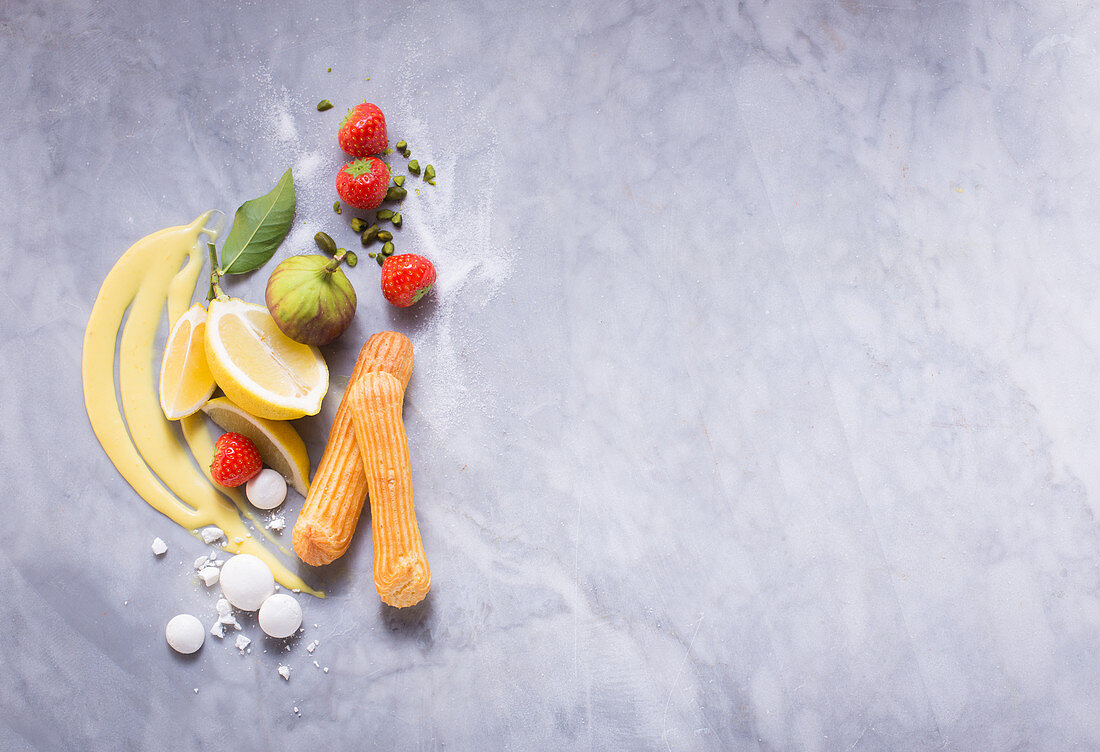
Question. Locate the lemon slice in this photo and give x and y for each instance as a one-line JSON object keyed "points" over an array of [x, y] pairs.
{"points": [[185, 378], [258, 367], [279, 444]]}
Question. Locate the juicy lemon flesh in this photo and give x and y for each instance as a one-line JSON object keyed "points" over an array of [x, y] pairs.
{"points": [[258, 367], [280, 446], [185, 378], [253, 340]]}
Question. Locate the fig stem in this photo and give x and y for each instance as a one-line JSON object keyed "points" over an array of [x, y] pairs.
{"points": [[338, 259], [215, 290]]}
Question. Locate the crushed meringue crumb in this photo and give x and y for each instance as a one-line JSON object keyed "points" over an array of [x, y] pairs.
{"points": [[242, 642], [159, 547], [209, 575], [312, 646], [284, 671], [211, 534], [225, 614]]}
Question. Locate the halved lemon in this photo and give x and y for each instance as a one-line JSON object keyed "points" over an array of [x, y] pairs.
{"points": [[185, 378], [279, 444], [258, 367]]}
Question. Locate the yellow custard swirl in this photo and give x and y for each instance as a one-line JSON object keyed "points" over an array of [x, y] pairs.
{"points": [[144, 446]]}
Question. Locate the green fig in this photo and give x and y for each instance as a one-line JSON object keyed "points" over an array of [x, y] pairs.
{"points": [[311, 299]]}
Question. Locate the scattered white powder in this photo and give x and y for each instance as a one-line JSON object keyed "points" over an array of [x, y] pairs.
{"points": [[451, 225], [285, 130], [307, 167], [159, 547]]}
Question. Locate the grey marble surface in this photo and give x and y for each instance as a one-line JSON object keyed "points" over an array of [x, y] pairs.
{"points": [[755, 408]]}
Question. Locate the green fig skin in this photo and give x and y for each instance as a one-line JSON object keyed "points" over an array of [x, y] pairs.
{"points": [[310, 304]]}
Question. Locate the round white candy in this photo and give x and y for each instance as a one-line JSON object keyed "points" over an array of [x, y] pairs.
{"points": [[280, 615], [246, 581], [185, 633], [266, 490]]}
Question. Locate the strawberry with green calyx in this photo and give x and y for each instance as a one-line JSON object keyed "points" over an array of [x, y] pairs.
{"points": [[362, 183], [406, 278], [363, 131]]}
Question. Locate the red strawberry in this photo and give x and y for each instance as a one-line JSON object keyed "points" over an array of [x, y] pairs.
{"points": [[362, 183], [406, 279], [236, 460], [363, 131]]}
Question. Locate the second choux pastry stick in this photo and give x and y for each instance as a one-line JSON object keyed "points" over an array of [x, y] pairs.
{"points": [[401, 572]]}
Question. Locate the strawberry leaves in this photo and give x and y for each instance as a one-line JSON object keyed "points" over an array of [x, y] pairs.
{"points": [[259, 226]]}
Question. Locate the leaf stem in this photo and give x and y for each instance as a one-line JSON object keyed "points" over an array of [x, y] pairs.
{"points": [[215, 290]]}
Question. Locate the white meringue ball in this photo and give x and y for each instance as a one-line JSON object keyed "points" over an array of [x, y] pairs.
{"points": [[280, 615], [246, 581], [266, 490], [185, 633]]}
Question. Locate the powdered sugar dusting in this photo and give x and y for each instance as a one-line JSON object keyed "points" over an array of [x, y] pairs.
{"points": [[284, 128], [307, 166], [451, 225]]}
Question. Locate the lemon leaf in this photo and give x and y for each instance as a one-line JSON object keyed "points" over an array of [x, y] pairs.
{"points": [[259, 226]]}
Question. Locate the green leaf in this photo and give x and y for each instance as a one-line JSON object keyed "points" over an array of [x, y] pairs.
{"points": [[259, 226]]}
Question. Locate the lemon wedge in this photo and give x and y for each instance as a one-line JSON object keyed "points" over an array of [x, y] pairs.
{"points": [[258, 367], [279, 444], [185, 378]]}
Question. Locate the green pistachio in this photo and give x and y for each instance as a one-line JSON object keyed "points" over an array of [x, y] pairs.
{"points": [[325, 242]]}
